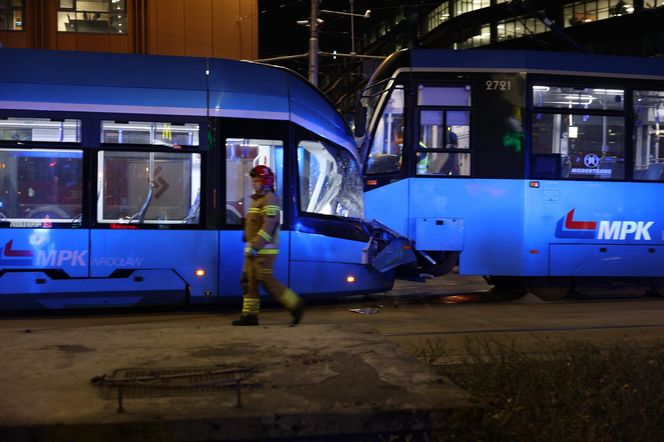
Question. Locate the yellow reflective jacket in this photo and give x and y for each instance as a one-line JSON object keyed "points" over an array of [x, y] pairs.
{"points": [[261, 227]]}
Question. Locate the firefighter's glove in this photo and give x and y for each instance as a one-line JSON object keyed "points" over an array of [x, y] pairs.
{"points": [[253, 252]]}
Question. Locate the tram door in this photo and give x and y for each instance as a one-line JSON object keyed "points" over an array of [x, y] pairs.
{"points": [[248, 144]]}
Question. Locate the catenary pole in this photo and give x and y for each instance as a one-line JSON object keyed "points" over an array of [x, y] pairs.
{"points": [[313, 44]]}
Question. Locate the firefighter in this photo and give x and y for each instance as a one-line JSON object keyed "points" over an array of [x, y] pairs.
{"points": [[261, 232]]}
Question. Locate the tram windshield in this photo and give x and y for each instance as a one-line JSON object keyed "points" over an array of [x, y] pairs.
{"points": [[329, 180], [387, 145]]}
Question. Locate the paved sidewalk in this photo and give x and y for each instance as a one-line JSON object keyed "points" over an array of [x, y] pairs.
{"points": [[309, 380]]}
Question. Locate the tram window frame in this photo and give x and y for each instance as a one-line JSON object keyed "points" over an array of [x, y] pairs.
{"points": [[651, 168], [46, 143], [249, 128], [308, 137], [51, 212], [195, 215], [444, 161], [607, 167], [157, 132], [139, 217], [234, 209], [43, 124], [390, 159]]}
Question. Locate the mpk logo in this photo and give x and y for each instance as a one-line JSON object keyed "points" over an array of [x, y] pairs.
{"points": [[568, 227]]}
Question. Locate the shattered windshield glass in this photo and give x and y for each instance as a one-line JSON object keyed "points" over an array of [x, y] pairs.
{"points": [[329, 179]]}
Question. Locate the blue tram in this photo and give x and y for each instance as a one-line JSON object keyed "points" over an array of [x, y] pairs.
{"points": [[540, 171], [123, 181]]}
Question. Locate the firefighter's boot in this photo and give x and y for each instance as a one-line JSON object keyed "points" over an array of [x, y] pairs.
{"points": [[246, 320], [297, 313]]}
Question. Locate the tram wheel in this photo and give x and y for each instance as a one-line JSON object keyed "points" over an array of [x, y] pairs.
{"points": [[445, 261], [550, 288], [505, 288], [657, 286]]}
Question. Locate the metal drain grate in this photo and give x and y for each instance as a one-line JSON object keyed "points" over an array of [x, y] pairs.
{"points": [[161, 382]]}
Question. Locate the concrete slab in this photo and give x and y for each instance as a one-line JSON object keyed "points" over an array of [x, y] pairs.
{"points": [[308, 380]]}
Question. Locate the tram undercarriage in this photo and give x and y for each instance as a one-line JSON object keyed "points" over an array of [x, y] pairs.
{"points": [[552, 288]]}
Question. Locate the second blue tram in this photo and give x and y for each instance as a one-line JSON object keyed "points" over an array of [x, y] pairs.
{"points": [[541, 171], [123, 180]]}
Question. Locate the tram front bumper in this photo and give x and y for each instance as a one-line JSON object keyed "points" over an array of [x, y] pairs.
{"points": [[387, 249]]}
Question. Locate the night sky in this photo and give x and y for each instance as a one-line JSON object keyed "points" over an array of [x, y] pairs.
{"points": [[279, 34]]}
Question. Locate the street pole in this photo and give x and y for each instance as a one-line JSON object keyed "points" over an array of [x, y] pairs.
{"points": [[313, 44], [352, 28]]}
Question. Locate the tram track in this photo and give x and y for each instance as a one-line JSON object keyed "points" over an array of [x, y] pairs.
{"points": [[524, 330]]}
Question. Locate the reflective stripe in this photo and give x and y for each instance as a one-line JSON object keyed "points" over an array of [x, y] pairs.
{"points": [[269, 249], [263, 234], [289, 299], [254, 210], [271, 210], [251, 306]]}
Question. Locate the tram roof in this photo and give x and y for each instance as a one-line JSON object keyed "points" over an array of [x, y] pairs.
{"points": [[567, 63], [167, 85]]}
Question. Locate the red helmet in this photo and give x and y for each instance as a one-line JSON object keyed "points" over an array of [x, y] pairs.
{"points": [[264, 173]]}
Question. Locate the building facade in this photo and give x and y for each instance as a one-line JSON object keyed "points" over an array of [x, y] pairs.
{"points": [[626, 27], [206, 28], [619, 27]]}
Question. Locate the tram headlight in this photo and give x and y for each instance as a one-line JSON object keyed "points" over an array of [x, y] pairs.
{"points": [[350, 279], [199, 272]]}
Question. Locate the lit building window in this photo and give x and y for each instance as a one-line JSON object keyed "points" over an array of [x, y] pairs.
{"points": [[92, 16], [436, 17], [11, 15], [463, 6], [382, 29], [481, 39], [585, 12], [519, 27]]}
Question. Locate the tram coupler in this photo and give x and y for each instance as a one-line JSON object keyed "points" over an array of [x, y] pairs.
{"points": [[387, 249]]}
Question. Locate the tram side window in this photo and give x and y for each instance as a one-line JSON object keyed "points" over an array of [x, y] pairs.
{"points": [[329, 180], [385, 155], [588, 139], [40, 187], [444, 143], [444, 126], [649, 135], [148, 187], [150, 132], [242, 155], [40, 129]]}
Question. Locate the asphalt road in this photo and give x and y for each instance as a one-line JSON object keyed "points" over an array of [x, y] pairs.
{"points": [[439, 316]]}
